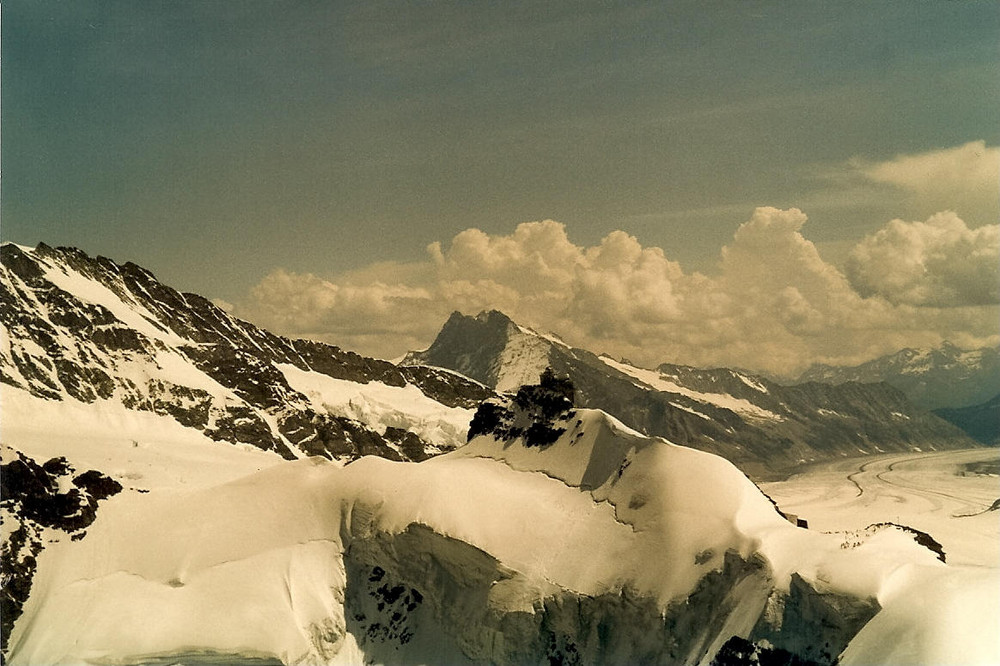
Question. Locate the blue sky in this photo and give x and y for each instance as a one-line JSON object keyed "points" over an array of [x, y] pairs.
{"points": [[215, 142]]}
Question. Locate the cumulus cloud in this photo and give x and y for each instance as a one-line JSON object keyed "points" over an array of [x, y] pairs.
{"points": [[964, 178], [940, 262], [379, 318], [775, 304]]}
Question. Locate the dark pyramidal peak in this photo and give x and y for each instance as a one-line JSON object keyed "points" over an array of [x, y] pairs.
{"points": [[761, 425], [89, 330], [946, 376], [489, 348]]}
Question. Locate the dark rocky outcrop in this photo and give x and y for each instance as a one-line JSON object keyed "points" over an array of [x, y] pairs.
{"points": [[739, 651], [32, 496], [535, 413], [815, 625]]}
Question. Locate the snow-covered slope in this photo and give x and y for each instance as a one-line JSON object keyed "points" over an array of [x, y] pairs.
{"points": [[89, 332], [601, 546], [761, 425], [945, 376], [107, 370]]}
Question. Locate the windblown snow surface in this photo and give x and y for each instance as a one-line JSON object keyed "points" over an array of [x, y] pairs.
{"points": [[603, 547]]}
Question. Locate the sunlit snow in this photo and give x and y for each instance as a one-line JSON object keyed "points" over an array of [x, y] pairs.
{"points": [[657, 381], [256, 566], [380, 406]]}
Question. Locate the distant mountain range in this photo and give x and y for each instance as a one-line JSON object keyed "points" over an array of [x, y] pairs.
{"points": [[94, 332], [761, 425], [944, 377]]}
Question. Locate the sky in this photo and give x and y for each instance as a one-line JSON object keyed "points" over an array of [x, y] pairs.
{"points": [[760, 184]]}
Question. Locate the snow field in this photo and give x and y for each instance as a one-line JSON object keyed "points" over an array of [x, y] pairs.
{"points": [[139, 449], [380, 406], [925, 491], [941, 616]]}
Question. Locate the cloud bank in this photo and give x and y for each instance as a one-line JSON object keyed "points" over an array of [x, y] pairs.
{"points": [[775, 305], [940, 262]]}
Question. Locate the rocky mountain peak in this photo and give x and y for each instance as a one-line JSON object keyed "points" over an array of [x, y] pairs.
{"points": [[493, 318], [761, 425], [489, 347]]}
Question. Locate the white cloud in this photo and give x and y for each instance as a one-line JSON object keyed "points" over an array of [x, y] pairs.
{"points": [[940, 262], [965, 179], [378, 317], [775, 305]]}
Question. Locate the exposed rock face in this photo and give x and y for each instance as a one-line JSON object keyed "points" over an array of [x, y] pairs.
{"points": [[816, 625], [533, 413], [759, 424], [36, 498], [931, 378], [475, 347], [90, 330], [422, 597]]}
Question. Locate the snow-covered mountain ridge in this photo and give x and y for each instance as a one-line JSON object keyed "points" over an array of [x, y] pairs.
{"points": [[103, 368], [759, 424], [601, 546], [941, 377], [154, 437], [84, 330]]}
